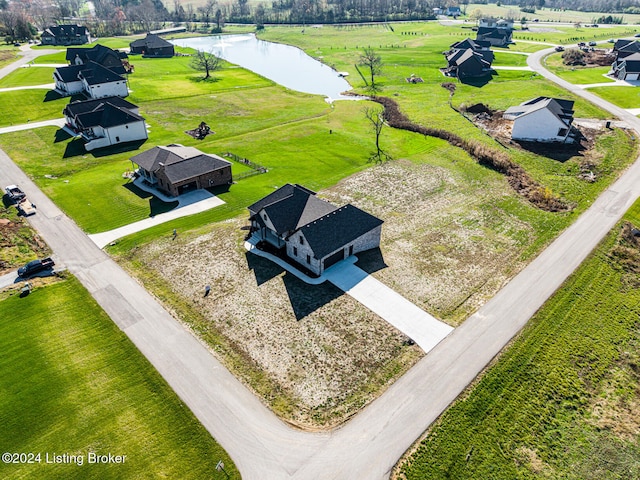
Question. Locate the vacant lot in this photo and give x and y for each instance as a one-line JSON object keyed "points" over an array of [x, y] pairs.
{"points": [[564, 400], [73, 383], [315, 354], [448, 248], [18, 242]]}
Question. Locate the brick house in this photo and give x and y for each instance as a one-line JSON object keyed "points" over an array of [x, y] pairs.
{"points": [[176, 169], [313, 232]]}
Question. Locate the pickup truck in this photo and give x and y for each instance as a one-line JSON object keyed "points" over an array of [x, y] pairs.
{"points": [[26, 208], [14, 193], [36, 266]]}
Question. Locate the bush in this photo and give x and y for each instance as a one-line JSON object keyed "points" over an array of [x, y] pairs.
{"points": [[573, 56]]}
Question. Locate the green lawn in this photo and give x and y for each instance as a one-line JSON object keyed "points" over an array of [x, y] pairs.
{"points": [[562, 401], [28, 76], [73, 383], [23, 106], [624, 97]]}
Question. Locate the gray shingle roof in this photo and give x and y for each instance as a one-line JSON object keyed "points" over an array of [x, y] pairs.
{"points": [[179, 162], [78, 108], [69, 73], [282, 192], [96, 74], [337, 229], [106, 115]]}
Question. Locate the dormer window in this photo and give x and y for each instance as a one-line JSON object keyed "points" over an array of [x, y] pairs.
{"points": [[301, 240]]}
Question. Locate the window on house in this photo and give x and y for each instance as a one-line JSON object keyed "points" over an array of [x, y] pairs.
{"points": [[295, 252], [308, 258], [301, 240], [117, 139], [562, 132]]}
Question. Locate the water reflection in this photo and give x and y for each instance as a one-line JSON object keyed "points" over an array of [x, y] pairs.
{"points": [[286, 65]]}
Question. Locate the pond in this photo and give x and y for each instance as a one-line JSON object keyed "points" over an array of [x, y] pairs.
{"points": [[286, 65]]}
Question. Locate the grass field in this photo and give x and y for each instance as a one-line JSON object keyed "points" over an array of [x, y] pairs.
{"points": [[562, 401], [28, 76], [73, 383]]}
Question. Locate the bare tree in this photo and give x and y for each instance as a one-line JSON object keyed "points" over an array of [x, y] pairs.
{"points": [[370, 59], [374, 115], [205, 62]]}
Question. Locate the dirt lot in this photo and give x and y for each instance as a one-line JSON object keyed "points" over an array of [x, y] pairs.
{"points": [[18, 242], [323, 353]]}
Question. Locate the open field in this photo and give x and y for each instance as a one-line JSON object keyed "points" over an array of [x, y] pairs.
{"points": [[19, 244], [546, 14], [72, 383], [562, 401]]}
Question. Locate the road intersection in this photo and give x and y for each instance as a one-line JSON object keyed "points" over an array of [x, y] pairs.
{"points": [[367, 446]]}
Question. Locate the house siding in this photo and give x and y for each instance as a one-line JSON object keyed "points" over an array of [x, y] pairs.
{"points": [[102, 90], [539, 126], [369, 240], [118, 134]]}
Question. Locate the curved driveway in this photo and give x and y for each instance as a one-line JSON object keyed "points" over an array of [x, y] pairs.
{"points": [[368, 446]]}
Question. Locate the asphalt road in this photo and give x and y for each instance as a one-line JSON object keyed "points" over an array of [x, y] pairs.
{"points": [[367, 446]]}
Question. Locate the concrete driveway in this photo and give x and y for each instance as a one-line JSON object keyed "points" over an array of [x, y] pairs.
{"points": [[414, 322]]}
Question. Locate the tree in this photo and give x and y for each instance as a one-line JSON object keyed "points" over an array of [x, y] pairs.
{"points": [[370, 59], [476, 15], [206, 62], [374, 115]]}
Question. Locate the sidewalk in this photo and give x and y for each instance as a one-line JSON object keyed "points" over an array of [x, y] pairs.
{"points": [[57, 122], [45, 86]]}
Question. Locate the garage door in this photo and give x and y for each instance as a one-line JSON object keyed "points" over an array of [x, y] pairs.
{"points": [[333, 259]]}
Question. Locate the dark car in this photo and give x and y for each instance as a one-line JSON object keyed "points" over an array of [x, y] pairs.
{"points": [[35, 266], [637, 35], [16, 44], [559, 48], [592, 44]]}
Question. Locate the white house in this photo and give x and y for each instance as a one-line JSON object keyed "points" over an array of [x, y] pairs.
{"points": [[67, 80], [92, 79], [542, 119], [99, 82], [105, 122], [310, 231]]}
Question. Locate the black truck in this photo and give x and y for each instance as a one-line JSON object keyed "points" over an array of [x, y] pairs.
{"points": [[36, 266]]}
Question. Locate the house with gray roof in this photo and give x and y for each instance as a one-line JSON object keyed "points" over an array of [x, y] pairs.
{"points": [[542, 119], [468, 59], [105, 122], [152, 46], [65, 35], [176, 169], [310, 231]]}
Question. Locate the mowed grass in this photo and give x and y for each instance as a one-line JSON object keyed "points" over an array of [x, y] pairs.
{"points": [[624, 97], [562, 401], [28, 76], [544, 14], [23, 106], [73, 383]]}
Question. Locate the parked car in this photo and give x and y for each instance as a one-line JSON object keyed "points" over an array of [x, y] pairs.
{"points": [[559, 48], [592, 44], [36, 266], [637, 35], [16, 44], [15, 193]]}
